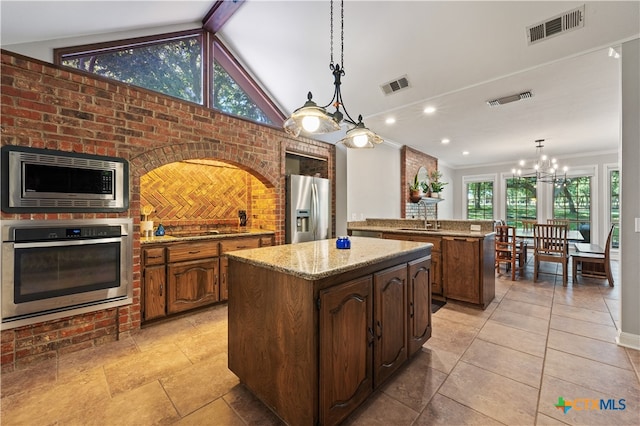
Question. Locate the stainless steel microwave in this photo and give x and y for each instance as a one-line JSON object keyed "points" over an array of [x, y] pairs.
{"points": [[42, 180]]}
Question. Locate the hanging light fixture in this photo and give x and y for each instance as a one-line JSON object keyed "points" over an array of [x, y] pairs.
{"points": [[544, 168], [316, 120]]}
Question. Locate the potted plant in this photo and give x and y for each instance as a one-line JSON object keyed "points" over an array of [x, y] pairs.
{"points": [[436, 185], [416, 190]]}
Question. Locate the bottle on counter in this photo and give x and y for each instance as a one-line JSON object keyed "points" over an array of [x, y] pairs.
{"points": [[343, 243], [160, 231]]}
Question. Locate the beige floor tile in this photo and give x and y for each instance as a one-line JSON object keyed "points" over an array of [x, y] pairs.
{"points": [[524, 308], [539, 288], [601, 378], [74, 363], [590, 300], [553, 388], [506, 362], [593, 349], [150, 407], [217, 412], [490, 393], [536, 298], [205, 345], [544, 420], [416, 383], [605, 333], [439, 359], [38, 375], [520, 340], [250, 409], [451, 336], [48, 404], [196, 386], [634, 357], [382, 410], [583, 314], [521, 321], [443, 411], [144, 367], [164, 333], [474, 317]]}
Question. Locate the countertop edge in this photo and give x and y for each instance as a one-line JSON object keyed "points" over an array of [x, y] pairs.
{"points": [[172, 239], [435, 233]]}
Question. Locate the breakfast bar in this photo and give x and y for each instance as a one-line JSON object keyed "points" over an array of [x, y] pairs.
{"points": [[314, 329]]}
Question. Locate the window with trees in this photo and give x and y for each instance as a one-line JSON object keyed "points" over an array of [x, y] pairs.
{"points": [[521, 200], [480, 200], [572, 201], [191, 65], [614, 206]]}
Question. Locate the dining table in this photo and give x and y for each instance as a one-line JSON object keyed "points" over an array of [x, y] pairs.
{"points": [[572, 235]]}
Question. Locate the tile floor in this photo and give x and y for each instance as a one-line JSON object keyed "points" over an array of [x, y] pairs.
{"points": [[508, 364]]}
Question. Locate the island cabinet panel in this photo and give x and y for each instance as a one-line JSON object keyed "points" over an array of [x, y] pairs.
{"points": [[390, 321], [346, 348], [435, 277], [419, 306], [224, 278], [192, 284]]}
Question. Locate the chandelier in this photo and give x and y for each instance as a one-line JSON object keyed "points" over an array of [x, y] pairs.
{"points": [[316, 120], [543, 168]]}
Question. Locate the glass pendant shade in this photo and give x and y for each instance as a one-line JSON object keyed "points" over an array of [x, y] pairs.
{"points": [[311, 118], [361, 137]]}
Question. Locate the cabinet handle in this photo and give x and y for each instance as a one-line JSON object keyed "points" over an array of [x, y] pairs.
{"points": [[154, 257], [161, 288], [411, 308], [371, 336], [379, 330], [194, 252]]}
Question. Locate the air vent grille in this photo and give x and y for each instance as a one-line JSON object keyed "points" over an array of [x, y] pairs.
{"points": [[395, 85], [511, 98], [570, 20]]}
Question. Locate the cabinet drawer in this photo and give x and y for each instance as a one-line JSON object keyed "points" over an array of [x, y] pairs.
{"points": [[153, 256], [266, 241], [192, 251], [239, 244]]}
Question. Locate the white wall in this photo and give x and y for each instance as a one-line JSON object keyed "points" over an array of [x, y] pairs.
{"points": [[342, 183], [374, 182], [630, 196]]}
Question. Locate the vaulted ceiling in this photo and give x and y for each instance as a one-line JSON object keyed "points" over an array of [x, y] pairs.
{"points": [[456, 55]]}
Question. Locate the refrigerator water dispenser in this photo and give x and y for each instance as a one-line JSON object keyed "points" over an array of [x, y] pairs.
{"points": [[302, 220]]}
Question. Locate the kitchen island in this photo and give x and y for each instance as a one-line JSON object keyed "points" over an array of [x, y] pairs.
{"points": [[313, 330]]}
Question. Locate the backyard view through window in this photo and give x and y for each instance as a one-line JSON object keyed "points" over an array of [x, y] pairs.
{"points": [[521, 200], [230, 98], [614, 206], [572, 201], [173, 67], [480, 200]]}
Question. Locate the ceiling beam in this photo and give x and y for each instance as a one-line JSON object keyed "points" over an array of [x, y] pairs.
{"points": [[219, 14]]}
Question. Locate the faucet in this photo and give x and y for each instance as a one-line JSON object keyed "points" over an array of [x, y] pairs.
{"points": [[427, 225]]}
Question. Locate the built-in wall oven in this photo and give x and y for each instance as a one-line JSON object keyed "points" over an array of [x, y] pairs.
{"points": [[55, 268]]}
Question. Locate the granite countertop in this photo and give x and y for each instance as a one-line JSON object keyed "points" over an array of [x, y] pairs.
{"points": [[320, 259], [421, 231], [249, 232]]}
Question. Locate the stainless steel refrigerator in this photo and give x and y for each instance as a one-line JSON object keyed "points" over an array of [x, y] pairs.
{"points": [[308, 209]]}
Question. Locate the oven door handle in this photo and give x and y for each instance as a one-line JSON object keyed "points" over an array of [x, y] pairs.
{"points": [[58, 243]]}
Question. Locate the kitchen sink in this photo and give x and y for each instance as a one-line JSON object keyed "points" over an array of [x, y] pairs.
{"points": [[208, 232]]}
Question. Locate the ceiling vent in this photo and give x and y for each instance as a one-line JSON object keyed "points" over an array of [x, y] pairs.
{"points": [[509, 99], [567, 21], [395, 85]]}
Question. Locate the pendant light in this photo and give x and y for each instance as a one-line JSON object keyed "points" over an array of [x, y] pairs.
{"points": [[315, 119]]}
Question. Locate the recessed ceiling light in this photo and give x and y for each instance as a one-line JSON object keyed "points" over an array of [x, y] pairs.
{"points": [[390, 120], [465, 152], [429, 110], [445, 141]]}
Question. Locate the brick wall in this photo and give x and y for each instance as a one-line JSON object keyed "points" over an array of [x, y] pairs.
{"points": [[410, 162], [51, 107]]}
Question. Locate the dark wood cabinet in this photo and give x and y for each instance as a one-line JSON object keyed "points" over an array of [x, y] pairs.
{"points": [[435, 277], [346, 348], [154, 284], [468, 269], [224, 278], [419, 304], [390, 321], [192, 284]]}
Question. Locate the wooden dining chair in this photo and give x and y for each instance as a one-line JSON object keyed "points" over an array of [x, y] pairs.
{"points": [[510, 250], [558, 222], [550, 245], [596, 260]]}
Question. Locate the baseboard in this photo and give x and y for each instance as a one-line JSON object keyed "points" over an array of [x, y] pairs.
{"points": [[628, 340]]}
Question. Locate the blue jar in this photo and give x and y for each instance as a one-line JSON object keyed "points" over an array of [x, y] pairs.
{"points": [[343, 243], [160, 231]]}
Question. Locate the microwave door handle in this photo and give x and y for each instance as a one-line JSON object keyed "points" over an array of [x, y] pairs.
{"points": [[57, 243]]}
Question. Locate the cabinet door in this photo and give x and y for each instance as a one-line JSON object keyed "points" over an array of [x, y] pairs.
{"points": [[390, 321], [224, 282], [192, 284], [155, 298], [419, 306], [346, 339], [461, 269]]}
